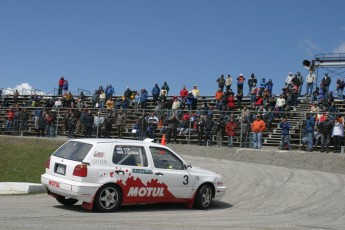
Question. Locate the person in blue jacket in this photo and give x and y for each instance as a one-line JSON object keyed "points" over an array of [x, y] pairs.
{"points": [[285, 134], [309, 127]]}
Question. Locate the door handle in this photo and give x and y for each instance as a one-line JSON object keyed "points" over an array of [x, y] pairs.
{"points": [[120, 172], [159, 174]]}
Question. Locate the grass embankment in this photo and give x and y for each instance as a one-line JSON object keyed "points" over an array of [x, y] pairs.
{"points": [[22, 159]]}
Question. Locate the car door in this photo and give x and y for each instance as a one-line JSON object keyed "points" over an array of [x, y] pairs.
{"points": [[171, 171], [134, 174]]}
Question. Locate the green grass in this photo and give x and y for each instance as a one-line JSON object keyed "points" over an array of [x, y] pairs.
{"points": [[22, 158]]}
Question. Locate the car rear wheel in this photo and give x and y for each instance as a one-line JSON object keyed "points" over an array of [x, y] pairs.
{"points": [[108, 198], [66, 201], [204, 197]]}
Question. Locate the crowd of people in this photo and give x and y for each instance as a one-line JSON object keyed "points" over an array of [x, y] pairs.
{"points": [[184, 113]]}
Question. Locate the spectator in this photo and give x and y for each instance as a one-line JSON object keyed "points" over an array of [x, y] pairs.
{"points": [[95, 99], [15, 97], [109, 92], [310, 131], [280, 105], [41, 124], [190, 100], [208, 127], [183, 95], [337, 134], [136, 102], [288, 80], [89, 121], [72, 124], [325, 129], [101, 99], [230, 130], [165, 87], [221, 82], [326, 81], [108, 123], [269, 86], [253, 92], [196, 93], [10, 120], [258, 126], [152, 124], [240, 81], [285, 134], [25, 119], [220, 130], [251, 81], [245, 129], [199, 126], [310, 79], [155, 93], [239, 98], [65, 86], [60, 84], [262, 86], [128, 94], [228, 82], [340, 88], [301, 81], [231, 101], [218, 97], [120, 122], [143, 98], [110, 103], [172, 125]]}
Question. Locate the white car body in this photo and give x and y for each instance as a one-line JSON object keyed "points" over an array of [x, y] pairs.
{"points": [[106, 173]]}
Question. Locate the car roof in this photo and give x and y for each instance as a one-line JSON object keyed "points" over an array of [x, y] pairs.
{"points": [[94, 141]]}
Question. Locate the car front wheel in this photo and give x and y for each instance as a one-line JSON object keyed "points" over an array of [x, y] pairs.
{"points": [[204, 197], [108, 198]]}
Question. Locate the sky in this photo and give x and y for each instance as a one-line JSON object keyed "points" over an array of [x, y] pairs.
{"points": [[138, 43]]}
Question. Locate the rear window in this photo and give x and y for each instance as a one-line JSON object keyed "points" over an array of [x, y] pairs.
{"points": [[73, 150]]}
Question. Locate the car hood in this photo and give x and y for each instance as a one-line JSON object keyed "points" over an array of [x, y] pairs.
{"points": [[201, 171]]}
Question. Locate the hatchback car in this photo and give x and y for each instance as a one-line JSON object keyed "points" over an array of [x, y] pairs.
{"points": [[107, 173]]}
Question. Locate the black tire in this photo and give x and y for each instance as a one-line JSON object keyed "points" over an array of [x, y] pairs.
{"points": [[108, 198], [204, 196], [66, 201]]}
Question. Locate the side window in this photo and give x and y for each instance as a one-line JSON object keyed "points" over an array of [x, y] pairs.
{"points": [[164, 159], [130, 155]]}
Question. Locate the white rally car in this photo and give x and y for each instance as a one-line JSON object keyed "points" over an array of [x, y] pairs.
{"points": [[107, 173]]}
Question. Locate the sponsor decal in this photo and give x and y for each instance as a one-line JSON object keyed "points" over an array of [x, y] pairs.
{"points": [[146, 192], [99, 162], [54, 184], [98, 154], [142, 171]]}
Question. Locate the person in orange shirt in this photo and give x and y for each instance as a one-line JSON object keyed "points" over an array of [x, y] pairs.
{"points": [[258, 126], [218, 96]]}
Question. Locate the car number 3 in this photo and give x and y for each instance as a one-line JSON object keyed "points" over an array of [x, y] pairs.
{"points": [[186, 180]]}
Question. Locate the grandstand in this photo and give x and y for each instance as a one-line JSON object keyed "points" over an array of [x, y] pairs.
{"points": [[270, 138]]}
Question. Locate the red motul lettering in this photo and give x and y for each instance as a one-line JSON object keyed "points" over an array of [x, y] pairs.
{"points": [[54, 184], [146, 192]]}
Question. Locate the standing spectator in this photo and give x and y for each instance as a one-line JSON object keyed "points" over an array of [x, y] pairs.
{"points": [[301, 81], [285, 134], [258, 126], [294, 96], [102, 100], [65, 86], [128, 94], [240, 82], [155, 93], [231, 101], [176, 104], [41, 124], [337, 134], [326, 81], [109, 92], [16, 120], [136, 101], [152, 124], [183, 95], [10, 120], [228, 83], [220, 129], [89, 121], [340, 88], [172, 125], [108, 123], [199, 126], [245, 128], [221, 82], [60, 83], [325, 129], [25, 119], [309, 128], [72, 124], [196, 93], [239, 98], [141, 127], [230, 130], [310, 79], [110, 103], [269, 86], [15, 97], [208, 127], [251, 81], [253, 92], [165, 87], [95, 99], [190, 100], [288, 80], [218, 97], [143, 98], [120, 122], [262, 86], [280, 103]]}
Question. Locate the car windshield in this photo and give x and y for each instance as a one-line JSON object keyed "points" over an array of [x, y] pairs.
{"points": [[73, 150]]}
